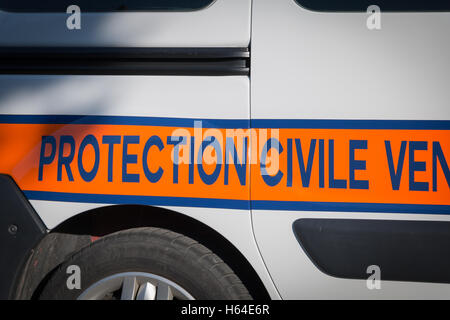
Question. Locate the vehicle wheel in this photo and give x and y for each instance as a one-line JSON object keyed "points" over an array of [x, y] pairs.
{"points": [[145, 264]]}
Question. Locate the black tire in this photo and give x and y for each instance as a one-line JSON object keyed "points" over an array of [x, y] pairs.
{"points": [[152, 250]]}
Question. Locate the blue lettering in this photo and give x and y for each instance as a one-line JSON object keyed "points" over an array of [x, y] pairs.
{"points": [[88, 140], [289, 163], [439, 155], [241, 171], [176, 141], [111, 141], [305, 173], [129, 159], [43, 160], [357, 165], [209, 178], [334, 183], [396, 176], [191, 161], [321, 163], [66, 160], [152, 176], [268, 179], [416, 166]]}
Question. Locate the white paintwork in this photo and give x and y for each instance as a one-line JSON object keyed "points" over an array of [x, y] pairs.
{"points": [[310, 65], [53, 213], [296, 277], [151, 96], [225, 23]]}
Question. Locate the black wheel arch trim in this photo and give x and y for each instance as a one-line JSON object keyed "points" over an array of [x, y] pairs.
{"points": [[21, 230]]}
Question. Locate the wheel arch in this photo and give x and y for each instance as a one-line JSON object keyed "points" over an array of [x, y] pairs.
{"points": [[80, 230]]}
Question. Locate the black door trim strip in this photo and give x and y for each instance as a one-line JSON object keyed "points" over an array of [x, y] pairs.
{"points": [[404, 250], [124, 61]]}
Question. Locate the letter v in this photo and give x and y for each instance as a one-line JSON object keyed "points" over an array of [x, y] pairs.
{"points": [[396, 176]]}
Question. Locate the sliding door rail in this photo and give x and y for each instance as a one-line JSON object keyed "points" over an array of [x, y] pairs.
{"points": [[124, 61]]}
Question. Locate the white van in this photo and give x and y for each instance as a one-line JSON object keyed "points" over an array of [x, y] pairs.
{"points": [[224, 149]]}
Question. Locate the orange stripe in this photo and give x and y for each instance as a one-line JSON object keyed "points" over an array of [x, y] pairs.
{"points": [[377, 170], [20, 147]]}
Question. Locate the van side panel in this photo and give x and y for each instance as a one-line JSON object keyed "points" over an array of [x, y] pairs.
{"points": [[350, 105]]}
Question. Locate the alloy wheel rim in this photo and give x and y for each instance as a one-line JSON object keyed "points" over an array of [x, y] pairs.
{"points": [[135, 286]]}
